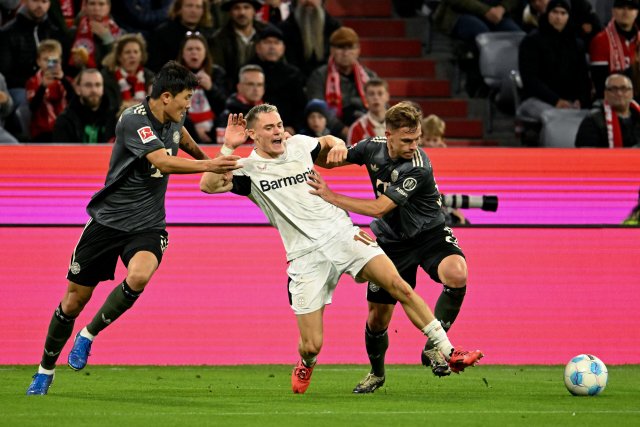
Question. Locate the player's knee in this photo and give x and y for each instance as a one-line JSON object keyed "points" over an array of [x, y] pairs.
{"points": [[456, 278], [138, 278]]}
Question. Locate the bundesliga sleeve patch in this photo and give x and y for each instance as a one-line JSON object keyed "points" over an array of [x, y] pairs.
{"points": [[146, 134]]}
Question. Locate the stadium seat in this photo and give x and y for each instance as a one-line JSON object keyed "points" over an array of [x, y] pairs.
{"points": [[560, 126], [498, 56]]}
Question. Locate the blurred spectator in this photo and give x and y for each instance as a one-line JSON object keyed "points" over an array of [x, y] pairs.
{"points": [[233, 45], [95, 35], [583, 18], [433, 129], [186, 17], [6, 106], [613, 49], [48, 91], [341, 81], [250, 90], [316, 116], [284, 83], [464, 20], [89, 118], [140, 16], [274, 12], [8, 9], [615, 123], [553, 65], [20, 39], [208, 100], [65, 12], [306, 34], [126, 80], [376, 93]]}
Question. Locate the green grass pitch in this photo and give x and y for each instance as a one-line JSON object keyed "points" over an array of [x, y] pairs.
{"points": [[261, 396]]}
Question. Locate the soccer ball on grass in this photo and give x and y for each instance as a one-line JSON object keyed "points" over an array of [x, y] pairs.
{"points": [[585, 375]]}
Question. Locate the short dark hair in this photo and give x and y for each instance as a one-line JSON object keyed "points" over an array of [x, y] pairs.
{"points": [[173, 78]]}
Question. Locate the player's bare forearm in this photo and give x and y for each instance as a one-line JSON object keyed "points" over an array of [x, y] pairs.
{"points": [[333, 152], [178, 165], [189, 146], [213, 183], [375, 208]]}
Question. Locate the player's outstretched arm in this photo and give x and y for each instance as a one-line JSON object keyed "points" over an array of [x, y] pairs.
{"points": [[333, 152], [189, 146], [179, 165], [375, 208]]}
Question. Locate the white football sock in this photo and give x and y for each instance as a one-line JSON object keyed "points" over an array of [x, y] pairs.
{"points": [[85, 333], [438, 336]]}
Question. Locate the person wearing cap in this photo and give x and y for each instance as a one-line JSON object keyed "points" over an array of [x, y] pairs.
{"points": [[583, 17], [306, 35], [552, 64], [341, 82], [613, 50], [284, 83], [316, 116], [233, 45], [186, 17]]}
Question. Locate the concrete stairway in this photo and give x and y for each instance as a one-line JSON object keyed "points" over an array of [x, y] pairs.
{"points": [[394, 48]]}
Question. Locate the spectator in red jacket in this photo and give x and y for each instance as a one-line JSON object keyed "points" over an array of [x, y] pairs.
{"points": [[48, 91]]}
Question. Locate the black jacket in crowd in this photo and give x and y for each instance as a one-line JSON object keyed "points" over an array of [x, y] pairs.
{"points": [[18, 48], [553, 65], [593, 130], [78, 123]]}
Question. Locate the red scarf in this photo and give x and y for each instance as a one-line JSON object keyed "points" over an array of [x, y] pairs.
{"points": [[132, 86], [332, 90], [616, 49], [200, 112], [613, 124], [68, 12], [53, 103], [84, 37]]}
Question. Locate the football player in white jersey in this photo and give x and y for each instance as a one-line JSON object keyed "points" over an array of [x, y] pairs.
{"points": [[321, 241]]}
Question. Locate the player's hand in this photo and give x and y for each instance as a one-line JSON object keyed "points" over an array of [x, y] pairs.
{"points": [[235, 134], [222, 165], [337, 154], [319, 186]]}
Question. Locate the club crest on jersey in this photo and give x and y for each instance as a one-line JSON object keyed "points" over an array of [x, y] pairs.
{"points": [[394, 175], [409, 184], [146, 134], [176, 137], [74, 268]]}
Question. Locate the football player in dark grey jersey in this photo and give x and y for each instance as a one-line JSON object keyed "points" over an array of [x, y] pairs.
{"points": [[127, 216], [410, 228]]}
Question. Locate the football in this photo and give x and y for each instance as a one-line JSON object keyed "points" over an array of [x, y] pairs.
{"points": [[585, 375]]}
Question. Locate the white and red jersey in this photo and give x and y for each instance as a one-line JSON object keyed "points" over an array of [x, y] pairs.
{"points": [[365, 127], [600, 51], [279, 188]]}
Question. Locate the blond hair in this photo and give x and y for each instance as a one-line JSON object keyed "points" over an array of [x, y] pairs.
{"points": [[433, 126], [49, 46]]}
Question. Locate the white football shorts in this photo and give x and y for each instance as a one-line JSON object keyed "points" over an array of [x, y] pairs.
{"points": [[314, 276]]}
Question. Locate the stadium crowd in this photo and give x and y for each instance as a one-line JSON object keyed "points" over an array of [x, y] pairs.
{"points": [[290, 53]]}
